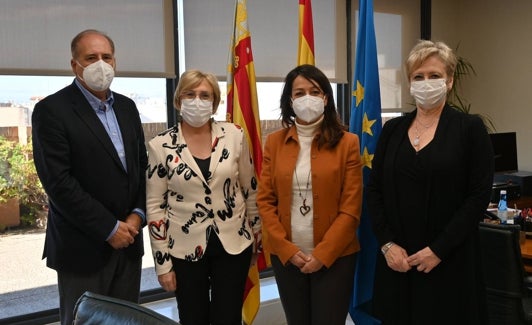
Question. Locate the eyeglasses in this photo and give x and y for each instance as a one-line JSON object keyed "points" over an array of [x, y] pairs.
{"points": [[203, 95]]}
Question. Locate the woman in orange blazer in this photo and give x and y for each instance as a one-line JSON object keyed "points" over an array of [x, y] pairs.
{"points": [[309, 200]]}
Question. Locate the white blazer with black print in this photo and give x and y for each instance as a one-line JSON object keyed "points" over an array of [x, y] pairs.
{"points": [[183, 207]]}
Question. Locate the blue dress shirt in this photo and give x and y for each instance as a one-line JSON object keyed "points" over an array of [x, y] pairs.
{"points": [[105, 112]]}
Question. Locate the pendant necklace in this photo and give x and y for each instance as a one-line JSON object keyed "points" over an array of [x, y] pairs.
{"points": [[416, 141], [304, 208]]}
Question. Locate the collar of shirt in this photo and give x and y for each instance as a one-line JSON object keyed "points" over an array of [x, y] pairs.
{"points": [[94, 101]]}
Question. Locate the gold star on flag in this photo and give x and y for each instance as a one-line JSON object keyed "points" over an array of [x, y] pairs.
{"points": [[366, 158], [367, 124], [359, 93]]}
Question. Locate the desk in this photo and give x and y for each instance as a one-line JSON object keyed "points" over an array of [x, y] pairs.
{"points": [[526, 253], [521, 203], [526, 248]]}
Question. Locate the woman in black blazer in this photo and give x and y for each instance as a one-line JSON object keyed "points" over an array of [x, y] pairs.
{"points": [[430, 184]]}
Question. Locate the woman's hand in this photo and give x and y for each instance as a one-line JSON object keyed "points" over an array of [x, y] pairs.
{"points": [[299, 259], [312, 265], [424, 260], [168, 281], [396, 258]]}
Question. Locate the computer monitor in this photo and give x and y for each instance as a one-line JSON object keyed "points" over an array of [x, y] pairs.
{"points": [[505, 151]]}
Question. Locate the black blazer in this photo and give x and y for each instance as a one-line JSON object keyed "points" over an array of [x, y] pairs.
{"points": [[459, 190], [87, 186], [459, 194]]}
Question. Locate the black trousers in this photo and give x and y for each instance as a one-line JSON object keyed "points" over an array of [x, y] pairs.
{"points": [[119, 278], [211, 290], [317, 298]]}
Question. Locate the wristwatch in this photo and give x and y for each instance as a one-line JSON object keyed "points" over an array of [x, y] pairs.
{"points": [[386, 247]]}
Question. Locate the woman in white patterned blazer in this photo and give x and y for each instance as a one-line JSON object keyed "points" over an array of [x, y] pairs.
{"points": [[201, 206]]}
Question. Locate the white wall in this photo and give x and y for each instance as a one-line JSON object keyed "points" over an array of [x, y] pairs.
{"points": [[495, 37], [13, 116]]}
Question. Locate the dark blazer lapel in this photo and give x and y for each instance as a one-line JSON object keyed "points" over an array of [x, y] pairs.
{"points": [[443, 124], [88, 116], [395, 137], [395, 141]]}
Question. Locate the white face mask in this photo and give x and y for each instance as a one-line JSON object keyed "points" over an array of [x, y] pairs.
{"points": [[98, 75], [196, 112], [428, 93], [308, 108]]}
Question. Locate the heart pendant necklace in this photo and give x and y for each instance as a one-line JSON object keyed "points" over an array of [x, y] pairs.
{"points": [[304, 208]]}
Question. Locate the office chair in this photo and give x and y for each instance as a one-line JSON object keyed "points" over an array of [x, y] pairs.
{"points": [[95, 309], [508, 299]]}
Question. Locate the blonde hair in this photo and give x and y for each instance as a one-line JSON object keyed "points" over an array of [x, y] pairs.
{"points": [[191, 79], [425, 49]]}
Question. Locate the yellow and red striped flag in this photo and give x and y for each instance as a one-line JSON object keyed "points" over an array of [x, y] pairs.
{"points": [[243, 110], [305, 52]]}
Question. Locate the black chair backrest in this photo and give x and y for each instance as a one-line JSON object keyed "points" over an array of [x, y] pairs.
{"points": [[95, 309], [503, 272]]}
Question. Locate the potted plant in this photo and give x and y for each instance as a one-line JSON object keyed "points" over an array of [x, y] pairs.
{"points": [[22, 196], [464, 68]]}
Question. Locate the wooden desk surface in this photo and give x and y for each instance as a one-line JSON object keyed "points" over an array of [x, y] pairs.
{"points": [[526, 249], [526, 253]]}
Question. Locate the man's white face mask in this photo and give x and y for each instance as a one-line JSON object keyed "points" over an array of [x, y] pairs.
{"points": [[98, 75]]}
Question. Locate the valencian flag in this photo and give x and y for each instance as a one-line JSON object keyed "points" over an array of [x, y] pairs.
{"points": [[305, 52], [243, 110], [366, 122]]}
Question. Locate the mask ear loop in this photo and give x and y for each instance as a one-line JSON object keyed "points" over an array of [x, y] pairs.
{"points": [[83, 68], [450, 83]]}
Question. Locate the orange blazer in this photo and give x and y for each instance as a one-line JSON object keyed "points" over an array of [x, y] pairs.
{"points": [[336, 189]]}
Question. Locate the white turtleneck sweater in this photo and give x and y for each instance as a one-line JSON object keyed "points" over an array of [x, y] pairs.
{"points": [[302, 225]]}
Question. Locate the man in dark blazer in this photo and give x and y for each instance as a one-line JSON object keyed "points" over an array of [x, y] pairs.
{"points": [[89, 152]]}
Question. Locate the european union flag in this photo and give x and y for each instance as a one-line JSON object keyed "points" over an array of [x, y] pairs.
{"points": [[366, 122]]}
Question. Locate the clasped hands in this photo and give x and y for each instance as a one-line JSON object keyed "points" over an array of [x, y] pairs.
{"points": [[126, 232], [398, 260], [306, 263]]}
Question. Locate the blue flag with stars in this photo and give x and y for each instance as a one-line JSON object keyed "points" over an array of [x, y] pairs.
{"points": [[366, 122]]}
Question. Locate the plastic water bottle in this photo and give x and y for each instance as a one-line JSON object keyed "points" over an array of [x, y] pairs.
{"points": [[502, 209]]}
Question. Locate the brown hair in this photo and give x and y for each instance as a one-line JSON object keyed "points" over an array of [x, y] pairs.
{"points": [[331, 127], [77, 38]]}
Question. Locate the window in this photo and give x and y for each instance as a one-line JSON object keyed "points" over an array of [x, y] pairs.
{"points": [[36, 35], [27, 285]]}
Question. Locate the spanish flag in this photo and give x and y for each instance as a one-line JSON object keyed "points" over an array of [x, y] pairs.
{"points": [[243, 110], [305, 53]]}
